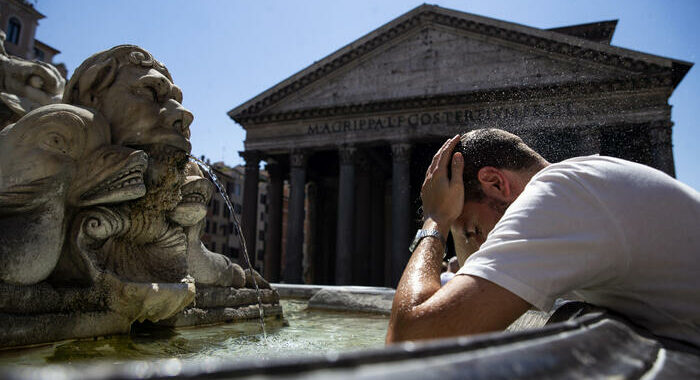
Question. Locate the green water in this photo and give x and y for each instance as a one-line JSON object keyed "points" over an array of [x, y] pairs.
{"points": [[308, 332]]}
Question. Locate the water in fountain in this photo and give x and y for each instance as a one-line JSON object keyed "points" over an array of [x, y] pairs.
{"points": [[237, 223]]}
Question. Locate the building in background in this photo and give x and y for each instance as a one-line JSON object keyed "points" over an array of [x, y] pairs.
{"points": [[354, 132], [220, 234], [19, 20]]}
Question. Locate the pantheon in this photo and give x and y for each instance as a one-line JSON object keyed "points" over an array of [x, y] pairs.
{"points": [[354, 132]]}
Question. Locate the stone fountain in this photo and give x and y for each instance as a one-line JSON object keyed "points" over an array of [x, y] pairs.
{"points": [[101, 211]]}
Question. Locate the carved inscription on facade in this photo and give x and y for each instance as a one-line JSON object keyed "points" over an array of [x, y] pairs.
{"points": [[465, 117]]}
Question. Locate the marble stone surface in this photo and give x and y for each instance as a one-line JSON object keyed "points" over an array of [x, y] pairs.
{"points": [[101, 212]]}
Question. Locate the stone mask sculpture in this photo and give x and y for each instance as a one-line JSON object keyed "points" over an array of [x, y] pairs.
{"points": [[123, 78], [25, 85]]}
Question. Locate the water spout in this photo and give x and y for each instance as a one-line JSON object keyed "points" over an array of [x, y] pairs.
{"points": [[237, 223]]}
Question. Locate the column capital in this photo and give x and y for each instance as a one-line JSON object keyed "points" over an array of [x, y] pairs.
{"points": [[347, 154], [362, 162], [272, 167], [251, 157], [660, 132], [298, 158], [401, 150]]}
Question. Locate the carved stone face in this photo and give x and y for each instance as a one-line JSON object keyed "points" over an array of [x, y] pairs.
{"points": [[196, 193], [27, 85], [143, 108]]}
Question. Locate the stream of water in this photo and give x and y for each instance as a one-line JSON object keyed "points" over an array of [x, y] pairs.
{"points": [[237, 223]]}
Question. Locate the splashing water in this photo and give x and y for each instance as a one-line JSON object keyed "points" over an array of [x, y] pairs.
{"points": [[237, 223]]}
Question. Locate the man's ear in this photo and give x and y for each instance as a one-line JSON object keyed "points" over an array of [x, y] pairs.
{"points": [[96, 78], [495, 183]]}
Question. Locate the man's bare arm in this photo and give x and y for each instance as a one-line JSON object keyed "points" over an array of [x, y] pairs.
{"points": [[466, 304]]}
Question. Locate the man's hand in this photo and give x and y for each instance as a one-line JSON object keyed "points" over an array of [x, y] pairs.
{"points": [[443, 198]]}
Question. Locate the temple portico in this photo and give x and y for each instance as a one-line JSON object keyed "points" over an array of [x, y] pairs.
{"points": [[354, 133]]}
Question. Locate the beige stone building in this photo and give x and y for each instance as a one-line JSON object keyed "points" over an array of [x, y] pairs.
{"points": [[19, 20], [360, 126], [220, 234]]}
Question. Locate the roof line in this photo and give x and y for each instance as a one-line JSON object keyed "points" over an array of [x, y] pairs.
{"points": [[543, 39]]}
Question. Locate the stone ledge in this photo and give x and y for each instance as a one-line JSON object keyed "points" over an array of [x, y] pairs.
{"points": [[349, 300], [212, 297], [209, 316], [308, 291], [25, 330]]}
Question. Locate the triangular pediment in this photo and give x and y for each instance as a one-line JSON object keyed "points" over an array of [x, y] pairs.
{"points": [[437, 61], [432, 51]]}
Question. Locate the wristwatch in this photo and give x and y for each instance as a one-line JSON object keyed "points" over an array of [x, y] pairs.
{"points": [[423, 234]]}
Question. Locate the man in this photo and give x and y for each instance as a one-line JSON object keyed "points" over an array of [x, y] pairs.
{"points": [[621, 235]]}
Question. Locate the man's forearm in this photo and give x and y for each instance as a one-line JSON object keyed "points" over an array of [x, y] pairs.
{"points": [[420, 280]]}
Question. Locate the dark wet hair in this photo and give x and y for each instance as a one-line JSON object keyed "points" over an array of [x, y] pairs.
{"points": [[492, 147]]}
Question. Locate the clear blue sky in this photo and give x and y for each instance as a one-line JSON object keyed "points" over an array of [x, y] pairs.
{"points": [[222, 53]]}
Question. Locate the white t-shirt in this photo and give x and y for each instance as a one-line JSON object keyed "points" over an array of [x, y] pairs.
{"points": [[619, 234], [445, 276]]}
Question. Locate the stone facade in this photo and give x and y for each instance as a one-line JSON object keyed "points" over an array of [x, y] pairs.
{"points": [[19, 20], [362, 124]]}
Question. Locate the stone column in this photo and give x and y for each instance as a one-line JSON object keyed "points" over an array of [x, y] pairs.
{"points": [[273, 239], [295, 219], [377, 226], [345, 237], [400, 208], [250, 199], [662, 147], [362, 265]]}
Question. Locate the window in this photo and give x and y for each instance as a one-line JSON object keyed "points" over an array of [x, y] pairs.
{"points": [[14, 28], [39, 54], [263, 198], [214, 228], [213, 246], [206, 227], [229, 188], [215, 208], [234, 253], [261, 254], [226, 213], [261, 235], [237, 208], [237, 189], [230, 228]]}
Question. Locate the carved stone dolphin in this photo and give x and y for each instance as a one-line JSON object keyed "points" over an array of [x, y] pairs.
{"points": [[206, 267], [52, 159]]}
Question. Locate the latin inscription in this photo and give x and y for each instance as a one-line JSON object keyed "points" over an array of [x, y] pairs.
{"points": [[457, 117]]}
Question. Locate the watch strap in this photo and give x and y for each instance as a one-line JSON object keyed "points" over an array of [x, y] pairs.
{"points": [[421, 234]]}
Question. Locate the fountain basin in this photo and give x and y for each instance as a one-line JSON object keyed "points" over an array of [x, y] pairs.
{"points": [[595, 344]]}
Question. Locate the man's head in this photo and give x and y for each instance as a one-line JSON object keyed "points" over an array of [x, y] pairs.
{"points": [[136, 95], [497, 166]]}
